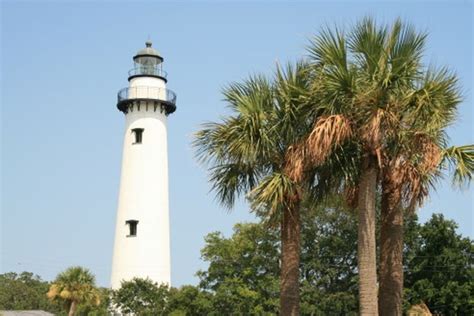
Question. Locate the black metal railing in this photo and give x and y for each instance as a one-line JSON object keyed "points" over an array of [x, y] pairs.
{"points": [[148, 93], [148, 71]]}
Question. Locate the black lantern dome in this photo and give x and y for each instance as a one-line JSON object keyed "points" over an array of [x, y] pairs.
{"points": [[148, 62], [148, 55]]}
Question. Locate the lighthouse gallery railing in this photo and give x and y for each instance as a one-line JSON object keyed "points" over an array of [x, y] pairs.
{"points": [[143, 92]]}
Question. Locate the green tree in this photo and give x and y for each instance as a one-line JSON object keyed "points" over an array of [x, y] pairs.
{"points": [[141, 297], [74, 286], [243, 269], [440, 267], [190, 301], [248, 154], [91, 309], [329, 261], [24, 291]]}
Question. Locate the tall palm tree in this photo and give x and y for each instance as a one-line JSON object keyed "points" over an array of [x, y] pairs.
{"points": [[74, 286], [248, 154], [414, 162], [350, 96], [395, 113]]}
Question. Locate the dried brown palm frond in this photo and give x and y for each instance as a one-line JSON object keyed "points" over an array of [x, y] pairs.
{"points": [[327, 133], [393, 177], [403, 176], [415, 189], [372, 133], [295, 161], [350, 196], [394, 172], [53, 291], [430, 152], [379, 125]]}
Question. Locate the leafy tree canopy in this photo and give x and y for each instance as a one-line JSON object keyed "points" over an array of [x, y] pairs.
{"points": [[440, 267], [242, 277], [141, 297], [24, 291]]}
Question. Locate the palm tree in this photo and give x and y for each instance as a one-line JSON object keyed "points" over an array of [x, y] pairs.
{"points": [[406, 183], [394, 114], [74, 286], [351, 96], [249, 152], [419, 157]]}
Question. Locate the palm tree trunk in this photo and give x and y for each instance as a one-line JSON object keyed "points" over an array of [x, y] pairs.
{"points": [[391, 253], [366, 240], [72, 308], [290, 261]]}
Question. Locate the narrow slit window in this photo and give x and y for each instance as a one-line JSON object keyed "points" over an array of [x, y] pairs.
{"points": [[132, 227], [138, 133]]}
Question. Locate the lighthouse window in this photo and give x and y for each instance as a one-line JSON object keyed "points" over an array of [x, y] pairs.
{"points": [[138, 132], [132, 226]]}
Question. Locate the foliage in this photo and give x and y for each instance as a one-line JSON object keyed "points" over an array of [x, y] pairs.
{"points": [[25, 291], [395, 111], [242, 277], [440, 266], [141, 297], [74, 286], [102, 309], [189, 300], [251, 153], [243, 269], [247, 152]]}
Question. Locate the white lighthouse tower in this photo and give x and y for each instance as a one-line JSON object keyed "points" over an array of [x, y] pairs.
{"points": [[142, 246]]}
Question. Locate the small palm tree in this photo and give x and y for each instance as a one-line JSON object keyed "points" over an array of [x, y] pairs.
{"points": [[248, 154], [74, 286]]}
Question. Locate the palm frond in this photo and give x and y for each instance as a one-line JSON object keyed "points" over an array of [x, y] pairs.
{"points": [[232, 180], [329, 56], [328, 132], [433, 105], [329, 48], [367, 43], [460, 160], [296, 161], [247, 136], [293, 100], [273, 192], [405, 50]]}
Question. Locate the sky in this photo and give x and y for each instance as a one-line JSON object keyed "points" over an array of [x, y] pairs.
{"points": [[62, 64]]}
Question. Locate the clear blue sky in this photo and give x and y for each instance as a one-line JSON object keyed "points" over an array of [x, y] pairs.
{"points": [[62, 65]]}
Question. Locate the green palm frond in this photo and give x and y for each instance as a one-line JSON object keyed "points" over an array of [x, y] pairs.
{"points": [[329, 48], [460, 160], [232, 180], [329, 55], [248, 135], [367, 43], [268, 116], [433, 105], [273, 192], [405, 50], [252, 95], [293, 100]]}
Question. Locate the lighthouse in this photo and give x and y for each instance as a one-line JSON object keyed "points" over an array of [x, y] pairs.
{"points": [[142, 241]]}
